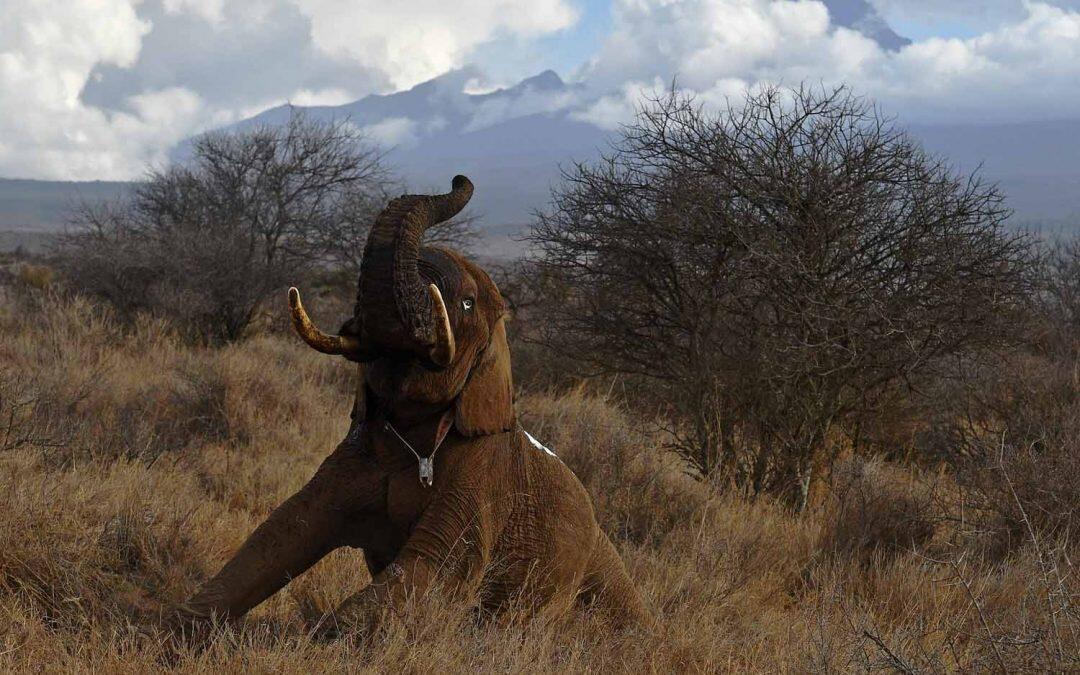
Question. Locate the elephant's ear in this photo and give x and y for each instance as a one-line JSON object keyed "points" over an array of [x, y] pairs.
{"points": [[486, 404]]}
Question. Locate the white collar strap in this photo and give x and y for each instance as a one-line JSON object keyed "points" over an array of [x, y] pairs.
{"points": [[427, 464], [538, 445]]}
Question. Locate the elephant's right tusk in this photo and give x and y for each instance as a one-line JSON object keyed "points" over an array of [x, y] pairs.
{"points": [[337, 345], [442, 353]]}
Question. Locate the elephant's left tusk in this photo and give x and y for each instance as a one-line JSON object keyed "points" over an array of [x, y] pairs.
{"points": [[337, 345]]}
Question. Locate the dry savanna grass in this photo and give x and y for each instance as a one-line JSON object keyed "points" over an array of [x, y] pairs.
{"points": [[131, 466]]}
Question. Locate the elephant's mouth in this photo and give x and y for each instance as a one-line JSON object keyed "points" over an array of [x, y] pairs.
{"points": [[399, 305]]}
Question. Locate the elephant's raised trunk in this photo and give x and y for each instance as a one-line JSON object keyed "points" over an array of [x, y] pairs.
{"points": [[390, 271]]}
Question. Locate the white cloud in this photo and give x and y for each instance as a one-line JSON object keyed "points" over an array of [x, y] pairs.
{"points": [[47, 52], [703, 41], [1023, 69], [392, 131], [332, 96], [213, 11], [611, 110], [477, 85], [415, 41], [1028, 69], [529, 102]]}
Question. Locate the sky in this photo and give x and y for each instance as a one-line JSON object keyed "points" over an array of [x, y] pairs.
{"points": [[101, 89]]}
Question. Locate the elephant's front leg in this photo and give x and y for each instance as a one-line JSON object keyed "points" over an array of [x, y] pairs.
{"points": [[450, 547], [294, 537], [392, 588]]}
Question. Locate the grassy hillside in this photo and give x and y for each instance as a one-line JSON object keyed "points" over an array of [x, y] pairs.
{"points": [[131, 466]]}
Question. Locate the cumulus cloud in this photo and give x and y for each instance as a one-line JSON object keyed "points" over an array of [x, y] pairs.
{"points": [[415, 41], [47, 52], [610, 110], [99, 89], [235, 56], [1023, 69], [329, 96], [702, 42], [211, 10]]}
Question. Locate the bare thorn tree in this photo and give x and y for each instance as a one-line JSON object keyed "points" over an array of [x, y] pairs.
{"points": [[205, 243], [773, 271]]}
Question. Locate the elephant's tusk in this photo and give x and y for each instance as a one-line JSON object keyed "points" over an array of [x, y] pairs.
{"points": [[442, 353], [319, 341]]}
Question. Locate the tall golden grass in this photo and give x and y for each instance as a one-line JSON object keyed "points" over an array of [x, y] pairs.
{"points": [[131, 466]]}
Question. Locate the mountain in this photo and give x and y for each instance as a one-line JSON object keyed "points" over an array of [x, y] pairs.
{"points": [[442, 102], [513, 141], [37, 205], [1036, 164], [510, 141], [33, 211], [860, 15]]}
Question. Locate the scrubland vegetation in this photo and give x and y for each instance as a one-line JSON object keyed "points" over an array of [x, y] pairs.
{"points": [[133, 464], [825, 401]]}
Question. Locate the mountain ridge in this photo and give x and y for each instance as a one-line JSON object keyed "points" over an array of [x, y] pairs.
{"points": [[515, 162]]}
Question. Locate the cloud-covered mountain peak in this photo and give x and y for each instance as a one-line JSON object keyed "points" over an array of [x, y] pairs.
{"points": [[548, 80], [440, 105], [860, 15]]}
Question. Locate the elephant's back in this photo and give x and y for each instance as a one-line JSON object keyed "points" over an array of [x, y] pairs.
{"points": [[550, 534]]}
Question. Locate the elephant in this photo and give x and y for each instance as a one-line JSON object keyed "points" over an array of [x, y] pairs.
{"points": [[436, 482]]}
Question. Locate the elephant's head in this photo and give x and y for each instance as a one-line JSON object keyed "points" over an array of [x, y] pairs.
{"points": [[428, 324]]}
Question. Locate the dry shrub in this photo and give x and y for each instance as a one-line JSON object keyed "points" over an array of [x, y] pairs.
{"points": [[18, 403], [36, 276], [106, 389], [1023, 493], [90, 547], [876, 508], [1015, 450], [95, 547]]}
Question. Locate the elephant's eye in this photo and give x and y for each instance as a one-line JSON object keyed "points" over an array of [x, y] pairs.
{"points": [[467, 304]]}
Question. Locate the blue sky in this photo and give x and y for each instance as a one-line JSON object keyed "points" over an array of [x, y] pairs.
{"points": [[565, 51]]}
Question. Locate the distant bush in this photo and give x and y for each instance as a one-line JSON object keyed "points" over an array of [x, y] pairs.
{"points": [[206, 242], [1007, 423], [1060, 335]]}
